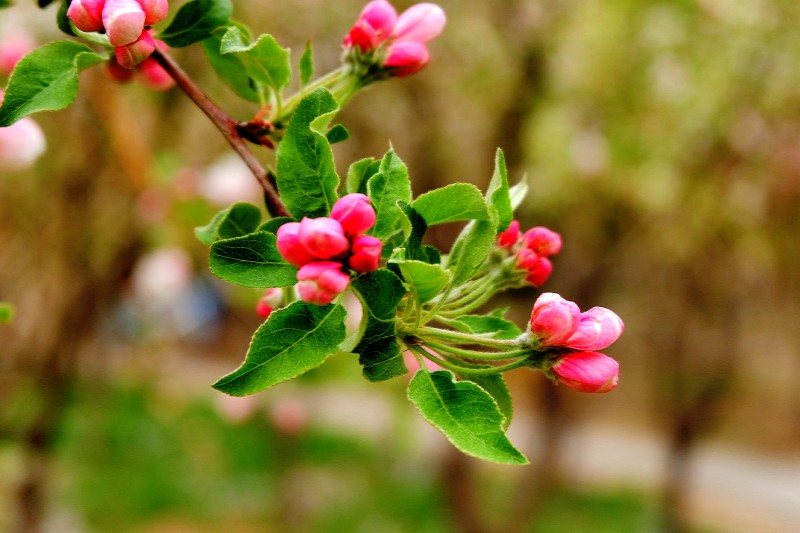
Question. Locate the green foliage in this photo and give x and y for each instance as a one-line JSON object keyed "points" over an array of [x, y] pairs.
{"points": [[500, 328], [307, 64], [424, 279], [467, 415], [229, 67], [498, 193], [5, 3], [196, 21], [471, 249], [236, 221], [251, 260], [453, 203], [45, 80], [386, 188], [496, 386], [6, 313], [265, 61], [307, 178], [292, 341], [359, 174]]}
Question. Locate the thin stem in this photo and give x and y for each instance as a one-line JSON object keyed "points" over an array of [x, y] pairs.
{"points": [[467, 338], [449, 365], [474, 354], [226, 126]]}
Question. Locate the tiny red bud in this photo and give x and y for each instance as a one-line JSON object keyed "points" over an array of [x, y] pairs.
{"points": [[508, 238], [154, 10], [538, 268], [406, 58], [320, 282], [543, 241], [587, 371], [365, 253], [354, 212], [554, 319], [322, 237], [289, 245]]}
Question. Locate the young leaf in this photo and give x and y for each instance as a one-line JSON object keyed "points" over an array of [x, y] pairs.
{"points": [[307, 177], [229, 67], [337, 134], [45, 80], [195, 21], [452, 203], [414, 228], [499, 327], [265, 61], [425, 280], [518, 192], [251, 261], [497, 194], [239, 219], [292, 341], [272, 225], [359, 173], [62, 20], [307, 64], [467, 415], [471, 249], [382, 360], [496, 386], [389, 186]]}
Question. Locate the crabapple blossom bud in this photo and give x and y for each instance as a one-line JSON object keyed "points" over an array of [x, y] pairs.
{"points": [[538, 268], [132, 54], [13, 47], [508, 238], [406, 58], [321, 281], [419, 23], [587, 371], [361, 36], [271, 300], [365, 253], [354, 213], [554, 319], [289, 245], [152, 74], [87, 15], [598, 328], [123, 21], [381, 17], [543, 241], [117, 72], [154, 10], [322, 237]]}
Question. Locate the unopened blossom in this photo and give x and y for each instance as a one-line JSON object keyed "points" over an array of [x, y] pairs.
{"points": [[289, 245], [587, 371], [419, 23], [554, 319], [365, 253], [123, 21], [130, 55], [597, 329], [322, 281], [87, 15], [322, 237], [354, 212], [543, 241], [508, 239], [537, 268], [269, 301], [152, 74], [406, 58], [154, 10]]}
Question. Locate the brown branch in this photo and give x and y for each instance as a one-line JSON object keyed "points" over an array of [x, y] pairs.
{"points": [[227, 126]]}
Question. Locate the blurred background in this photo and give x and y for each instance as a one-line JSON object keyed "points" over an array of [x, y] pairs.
{"points": [[660, 138]]}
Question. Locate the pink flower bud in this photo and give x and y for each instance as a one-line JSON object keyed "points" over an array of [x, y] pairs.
{"points": [[543, 241], [538, 268], [381, 17], [366, 253], [597, 329], [152, 74], [289, 245], [132, 54], [554, 319], [354, 213], [13, 47], [587, 371], [320, 282], [419, 23], [322, 237], [406, 58], [271, 300], [123, 21], [117, 72], [361, 36], [508, 238], [154, 10], [87, 15]]}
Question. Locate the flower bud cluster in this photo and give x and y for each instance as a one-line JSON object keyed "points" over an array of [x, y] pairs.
{"points": [[560, 324], [325, 248], [269, 302], [149, 71], [531, 250], [21, 143], [397, 43], [126, 22]]}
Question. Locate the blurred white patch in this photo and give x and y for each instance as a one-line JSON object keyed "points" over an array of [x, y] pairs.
{"points": [[228, 180]]}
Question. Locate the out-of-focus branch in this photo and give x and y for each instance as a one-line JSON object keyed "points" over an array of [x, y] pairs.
{"points": [[227, 126]]}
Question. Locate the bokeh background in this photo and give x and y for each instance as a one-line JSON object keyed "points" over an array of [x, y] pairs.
{"points": [[660, 138]]}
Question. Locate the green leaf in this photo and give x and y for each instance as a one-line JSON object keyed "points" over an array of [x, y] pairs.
{"points": [[5, 3], [251, 261], [6, 313], [498, 195], [499, 327], [265, 61], [425, 280], [414, 229], [306, 176], [292, 341], [467, 415], [337, 134], [495, 385], [273, 224], [471, 249], [239, 219], [195, 21], [389, 186], [518, 193], [306, 64], [229, 67], [359, 173], [45, 80], [452, 203], [380, 355], [62, 21]]}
